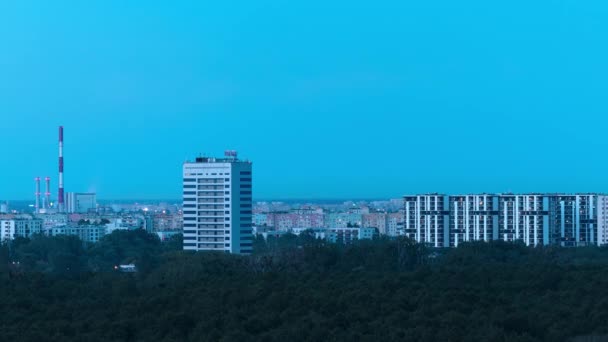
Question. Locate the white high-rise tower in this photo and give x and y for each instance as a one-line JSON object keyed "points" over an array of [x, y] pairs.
{"points": [[217, 195]]}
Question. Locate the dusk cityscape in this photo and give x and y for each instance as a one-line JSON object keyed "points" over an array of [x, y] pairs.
{"points": [[305, 171]]}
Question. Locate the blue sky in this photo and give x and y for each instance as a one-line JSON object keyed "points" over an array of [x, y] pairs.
{"points": [[330, 99]]}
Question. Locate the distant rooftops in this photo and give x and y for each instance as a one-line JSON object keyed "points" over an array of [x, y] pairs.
{"points": [[230, 156]]}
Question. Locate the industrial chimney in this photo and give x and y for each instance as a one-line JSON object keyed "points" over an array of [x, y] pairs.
{"points": [[60, 192], [37, 179], [47, 194]]}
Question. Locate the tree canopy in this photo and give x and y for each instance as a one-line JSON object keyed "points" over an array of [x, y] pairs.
{"points": [[301, 289]]}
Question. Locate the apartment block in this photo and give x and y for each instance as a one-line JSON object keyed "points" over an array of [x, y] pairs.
{"points": [[217, 212]]}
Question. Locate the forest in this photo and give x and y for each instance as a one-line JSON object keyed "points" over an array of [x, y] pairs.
{"points": [[297, 288]]}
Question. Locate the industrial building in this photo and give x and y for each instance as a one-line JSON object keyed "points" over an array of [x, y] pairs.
{"points": [[80, 203], [217, 195]]}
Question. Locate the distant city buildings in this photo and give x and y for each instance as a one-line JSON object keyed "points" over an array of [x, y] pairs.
{"points": [[217, 209]]}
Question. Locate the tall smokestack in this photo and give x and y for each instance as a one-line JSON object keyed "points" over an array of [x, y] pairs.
{"points": [[37, 179], [47, 194], [60, 193]]}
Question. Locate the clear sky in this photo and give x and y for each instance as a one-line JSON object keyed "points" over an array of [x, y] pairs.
{"points": [[330, 99]]}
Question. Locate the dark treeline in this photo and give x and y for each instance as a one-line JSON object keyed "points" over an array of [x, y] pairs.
{"points": [[300, 289]]}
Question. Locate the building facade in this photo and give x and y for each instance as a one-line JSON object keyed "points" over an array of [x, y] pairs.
{"points": [[81, 203], [525, 218], [86, 233], [473, 218], [574, 219], [602, 220], [28, 227], [217, 208], [426, 218], [7, 230], [567, 220]]}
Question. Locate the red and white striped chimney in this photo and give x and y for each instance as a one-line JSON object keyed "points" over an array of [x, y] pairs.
{"points": [[37, 179], [60, 193]]}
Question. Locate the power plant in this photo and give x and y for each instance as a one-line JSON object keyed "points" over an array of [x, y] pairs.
{"points": [[79, 201]]}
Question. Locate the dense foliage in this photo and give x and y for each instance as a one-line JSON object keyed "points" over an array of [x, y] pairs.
{"points": [[301, 289]]}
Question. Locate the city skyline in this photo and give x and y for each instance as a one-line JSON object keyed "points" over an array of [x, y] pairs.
{"points": [[380, 102]]}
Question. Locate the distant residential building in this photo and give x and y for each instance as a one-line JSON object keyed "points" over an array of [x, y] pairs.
{"points": [[319, 233], [574, 219], [87, 233], [77, 202], [149, 224], [350, 235], [344, 220], [473, 218], [217, 207], [123, 223], [53, 220], [376, 220], [7, 230], [394, 223], [168, 221], [368, 233], [28, 227], [295, 218], [427, 218], [602, 220], [261, 220], [567, 220], [19, 227], [524, 218]]}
